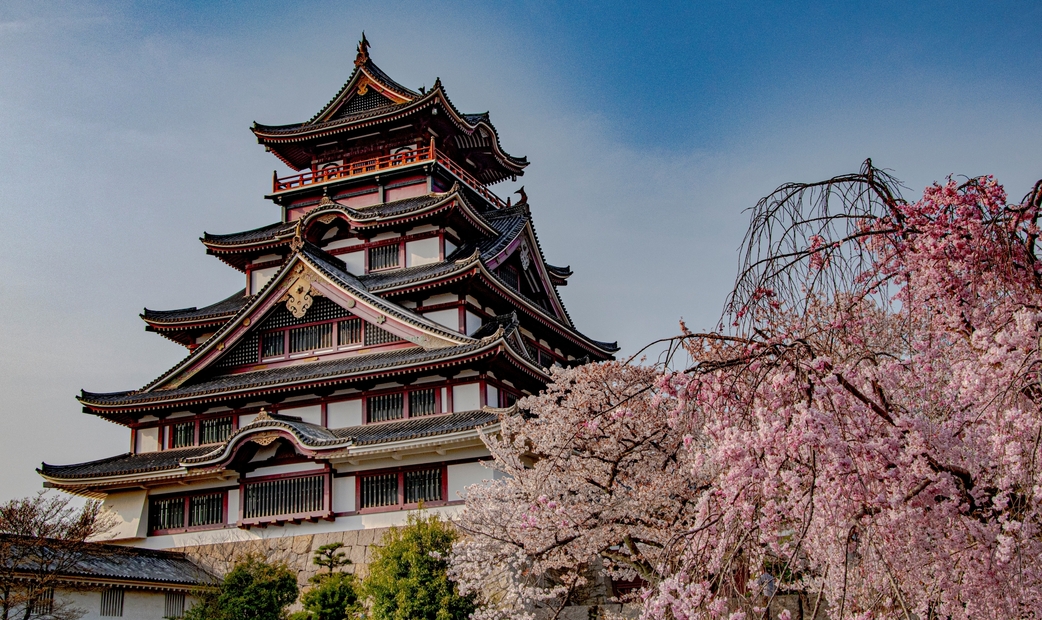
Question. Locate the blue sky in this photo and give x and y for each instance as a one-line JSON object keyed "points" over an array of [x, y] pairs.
{"points": [[651, 127]]}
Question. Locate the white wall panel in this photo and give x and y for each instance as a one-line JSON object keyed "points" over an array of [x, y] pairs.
{"points": [[466, 397], [463, 475], [344, 413], [311, 414], [147, 440]]}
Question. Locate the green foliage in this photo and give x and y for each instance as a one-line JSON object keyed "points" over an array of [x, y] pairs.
{"points": [[252, 590], [333, 596], [330, 556], [407, 577]]}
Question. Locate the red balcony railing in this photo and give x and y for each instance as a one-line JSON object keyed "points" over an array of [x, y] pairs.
{"points": [[357, 168]]}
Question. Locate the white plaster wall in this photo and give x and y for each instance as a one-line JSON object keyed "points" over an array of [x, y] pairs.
{"points": [[285, 469], [473, 322], [147, 440], [246, 418], [233, 506], [448, 317], [492, 396], [344, 413], [444, 298], [137, 605], [344, 494], [421, 252], [342, 243], [450, 247], [340, 524], [463, 475], [466, 397], [128, 511], [354, 262], [311, 414], [260, 277]]}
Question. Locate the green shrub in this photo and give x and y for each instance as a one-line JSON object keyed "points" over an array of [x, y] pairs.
{"points": [[332, 595], [253, 590], [407, 577]]}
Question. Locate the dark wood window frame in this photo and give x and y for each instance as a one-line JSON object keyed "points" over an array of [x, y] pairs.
{"points": [[335, 346], [186, 501], [166, 429], [400, 472], [440, 234], [326, 512], [406, 404]]}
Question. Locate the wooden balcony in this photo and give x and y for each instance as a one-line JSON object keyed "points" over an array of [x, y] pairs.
{"points": [[387, 162]]}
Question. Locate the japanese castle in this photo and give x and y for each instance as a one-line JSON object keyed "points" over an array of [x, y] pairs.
{"points": [[392, 314]]}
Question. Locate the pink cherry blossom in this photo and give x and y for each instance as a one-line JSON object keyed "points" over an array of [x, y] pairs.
{"points": [[868, 433]]}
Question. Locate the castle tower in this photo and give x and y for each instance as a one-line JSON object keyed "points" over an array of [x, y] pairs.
{"points": [[391, 315]]}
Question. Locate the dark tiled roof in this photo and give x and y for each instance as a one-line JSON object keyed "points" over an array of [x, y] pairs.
{"points": [[226, 307], [415, 428], [285, 375], [311, 435], [124, 464], [408, 275], [334, 268], [560, 272], [270, 232], [100, 561]]}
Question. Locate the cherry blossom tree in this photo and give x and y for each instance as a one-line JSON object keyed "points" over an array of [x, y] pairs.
{"points": [[864, 429]]}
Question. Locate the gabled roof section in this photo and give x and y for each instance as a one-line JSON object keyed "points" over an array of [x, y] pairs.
{"points": [[108, 564], [367, 88], [356, 106], [309, 272]]}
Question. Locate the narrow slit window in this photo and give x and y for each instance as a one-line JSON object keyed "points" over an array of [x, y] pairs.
{"points": [[215, 430], [422, 402], [174, 606], [349, 332], [112, 602], [379, 490], [311, 338], [385, 407], [422, 486], [206, 510], [167, 514], [273, 344], [284, 497], [383, 257], [182, 435]]}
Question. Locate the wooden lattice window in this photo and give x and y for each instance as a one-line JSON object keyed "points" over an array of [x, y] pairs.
{"points": [[112, 602], [273, 344], [174, 605], [215, 430], [182, 435], [423, 402], [349, 332], [374, 336], [186, 511], [402, 488], [284, 497], [381, 490], [385, 407], [383, 257], [311, 338]]}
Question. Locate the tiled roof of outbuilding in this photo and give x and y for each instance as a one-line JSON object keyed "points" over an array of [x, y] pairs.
{"points": [[97, 561]]}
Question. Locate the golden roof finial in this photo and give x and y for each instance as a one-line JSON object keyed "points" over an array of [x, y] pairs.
{"points": [[363, 51]]}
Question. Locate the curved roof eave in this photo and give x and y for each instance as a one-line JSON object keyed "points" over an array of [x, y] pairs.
{"points": [[271, 135]]}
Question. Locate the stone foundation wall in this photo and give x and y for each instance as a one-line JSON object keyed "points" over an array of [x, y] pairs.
{"points": [[296, 551]]}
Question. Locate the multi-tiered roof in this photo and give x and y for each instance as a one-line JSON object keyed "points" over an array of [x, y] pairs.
{"points": [[405, 267]]}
